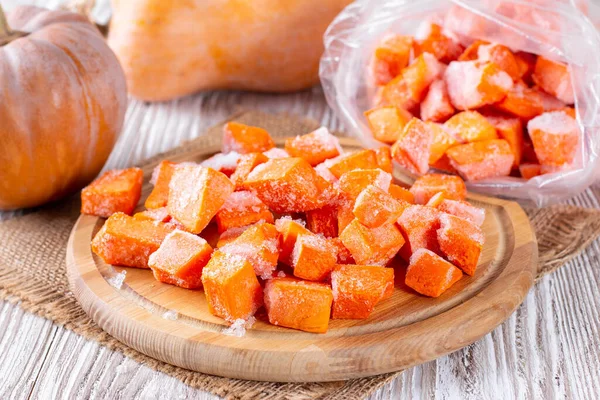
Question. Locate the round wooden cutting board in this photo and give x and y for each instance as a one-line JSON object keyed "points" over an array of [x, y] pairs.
{"points": [[173, 324]]}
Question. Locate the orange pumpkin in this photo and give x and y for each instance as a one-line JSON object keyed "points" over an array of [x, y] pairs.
{"points": [[173, 48], [63, 99]]}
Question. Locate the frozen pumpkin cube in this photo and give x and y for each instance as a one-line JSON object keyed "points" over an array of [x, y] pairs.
{"points": [[343, 254], [289, 230], [511, 130], [391, 56], [384, 159], [387, 123], [313, 257], [241, 209], [246, 164], [529, 170], [471, 53], [314, 147], [523, 102], [502, 56], [298, 304], [231, 287], [372, 246], [419, 225], [196, 193], [554, 78], [436, 105], [555, 136], [431, 39], [345, 214], [354, 182], [470, 126], [285, 185], [361, 159], [375, 207], [482, 160], [180, 259], [126, 241], [408, 89], [225, 163], [442, 141], [400, 193], [460, 242], [115, 191], [428, 185], [429, 274], [358, 288], [464, 210], [156, 214], [259, 244], [245, 139], [472, 84], [323, 221], [161, 177], [413, 150]]}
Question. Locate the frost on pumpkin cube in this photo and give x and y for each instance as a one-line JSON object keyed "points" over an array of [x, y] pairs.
{"points": [[196, 193], [276, 152], [357, 289], [161, 177], [156, 214], [314, 147], [259, 245], [555, 136], [442, 141], [460, 242], [372, 246], [115, 191], [522, 102], [180, 259], [289, 231], [400, 193], [464, 210], [225, 163], [432, 39], [241, 209], [245, 139], [343, 254], [426, 186], [502, 56], [436, 105], [387, 122], [323, 221], [126, 241], [230, 235], [391, 56], [413, 150], [419, 225], [511, 130], [245, 165], [472, 84], [429, 274], [313, 258], [231, 287], [375, 207], [352, 183], [470, 126], [554, 78], [298, 304], [384, 159], [345, 214], [482, 160], [361, 159]]}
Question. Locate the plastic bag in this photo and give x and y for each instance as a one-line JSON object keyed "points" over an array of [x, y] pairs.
{"points": [[552, 28]]}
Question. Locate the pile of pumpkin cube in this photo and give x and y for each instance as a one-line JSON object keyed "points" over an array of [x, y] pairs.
{"points": [[482, 111], [310, 232]]}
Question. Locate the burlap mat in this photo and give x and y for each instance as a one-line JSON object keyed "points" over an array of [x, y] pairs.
{"points": [[32, 272]]}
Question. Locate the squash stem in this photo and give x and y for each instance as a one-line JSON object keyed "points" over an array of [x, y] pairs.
{"points": [[7, 35]]}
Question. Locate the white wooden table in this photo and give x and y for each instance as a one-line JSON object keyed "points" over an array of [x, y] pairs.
{"points": [[549, 348]]}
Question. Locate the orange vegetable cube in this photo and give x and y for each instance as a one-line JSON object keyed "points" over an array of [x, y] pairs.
{"points": [[372, 246], [407, 90], [343, 254], [286, 185], [471, 53], [314, 147], [419, 225], [555, 136], [387, 123], [523, 102], [259, 245], [180, 259], [246, 164], [429, 274], [313, 258], [225, 163], [430, 39], [231, 288], [554, 78], [245, 139], [358, 288], [323, 221], [157, 214], [384, 159], [414, 149], [502, 56], [482, 160], [354, 182], [470, 126], [391, 56], [400, 193], [472, 84], [375, 207], [161, 177], [115, 191], [126, 241], [196, 194], [345, 214], [298, 304], [529, 170], [427, 186], [442, 141], [436, 105], [289, 230], [511, 130], [460, 242], [241, 209], [464, 210], [361, 159]]}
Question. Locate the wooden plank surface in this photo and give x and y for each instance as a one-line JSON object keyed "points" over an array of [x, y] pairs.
{"points": [[550, 348]]}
